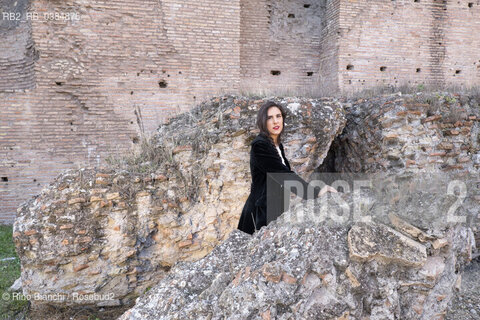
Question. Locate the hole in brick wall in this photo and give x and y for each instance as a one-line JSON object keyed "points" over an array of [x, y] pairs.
{"points": [[309, 73], [349, 81], [4, 179], [71, 123], [275, 72], [34, 180], [306, 5], [163, 71], [383, 68], [131, 122], [162, 84], [135, 140], [59, 83], [458, 71], [349, 67], [291, 15], [194, 97], [138, 74], [419, 69], [131, 92], [168, 75], [179, 72], [470, 4], [416, 0]]}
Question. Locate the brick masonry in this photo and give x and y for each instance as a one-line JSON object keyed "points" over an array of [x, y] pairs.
{"points": [[74, 91], [286, 47], [17, 55], [408, 42], [102, 80]]}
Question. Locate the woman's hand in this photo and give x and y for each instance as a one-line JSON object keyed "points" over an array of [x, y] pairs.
{"points": [[327, 188]]}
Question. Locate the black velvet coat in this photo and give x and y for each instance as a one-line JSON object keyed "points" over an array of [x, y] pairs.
{"points": [[264, 158]]}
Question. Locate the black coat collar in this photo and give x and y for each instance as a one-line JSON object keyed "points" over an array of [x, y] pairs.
{"points": [[263, 137]]}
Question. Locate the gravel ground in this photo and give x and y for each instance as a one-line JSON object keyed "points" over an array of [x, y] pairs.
{"points": [[466, 305]]}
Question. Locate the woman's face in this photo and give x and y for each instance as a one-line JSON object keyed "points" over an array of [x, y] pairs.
{"points": [[274, 122]]}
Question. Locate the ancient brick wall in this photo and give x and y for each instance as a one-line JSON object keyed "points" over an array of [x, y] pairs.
{"points": [[408, 42], [329, 48], [281, 46], [462, 40], [119, 70]]}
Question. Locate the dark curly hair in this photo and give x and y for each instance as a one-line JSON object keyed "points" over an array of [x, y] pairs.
{"points": [[262, 118]]}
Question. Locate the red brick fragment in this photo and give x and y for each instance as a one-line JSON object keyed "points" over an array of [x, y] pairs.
{"points": [[80, 267], [30, 232], [432, 118]]}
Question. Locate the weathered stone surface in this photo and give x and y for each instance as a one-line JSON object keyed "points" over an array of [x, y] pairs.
{"points": [[466, 304], [384, 133], [414, 135], [306, 271], [407, 228], [368, 241], [170, 203]]}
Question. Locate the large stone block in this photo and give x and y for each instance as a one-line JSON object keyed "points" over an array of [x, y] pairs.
{"points": [[373, 241]]}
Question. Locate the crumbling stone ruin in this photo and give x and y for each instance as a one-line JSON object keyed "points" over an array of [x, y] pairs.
{"points": [[102, 231], [147, 219], [310, 271]]}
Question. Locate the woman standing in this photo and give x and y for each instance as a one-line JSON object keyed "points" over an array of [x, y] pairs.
{"points": [[267, 156]]}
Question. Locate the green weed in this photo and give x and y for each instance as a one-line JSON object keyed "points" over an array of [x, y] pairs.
{"points": [[9, 272]]}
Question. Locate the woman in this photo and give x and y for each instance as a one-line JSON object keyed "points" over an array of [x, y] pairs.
{"points": [[267, 156]]}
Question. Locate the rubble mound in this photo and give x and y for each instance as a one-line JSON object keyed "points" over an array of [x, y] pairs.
{"points": [[102, 236]]}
